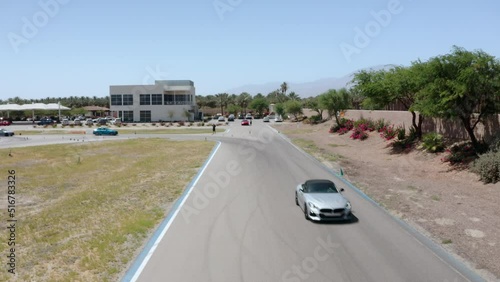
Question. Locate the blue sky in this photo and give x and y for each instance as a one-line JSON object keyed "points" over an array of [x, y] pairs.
{"points": [[60, 48]]}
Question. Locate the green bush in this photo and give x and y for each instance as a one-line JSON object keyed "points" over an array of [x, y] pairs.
{"points": [[487, 166], [433, 142], [315, 119], [380, 124]]}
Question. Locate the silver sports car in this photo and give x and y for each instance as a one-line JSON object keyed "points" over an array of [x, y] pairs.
{"points": [[321, 200]]}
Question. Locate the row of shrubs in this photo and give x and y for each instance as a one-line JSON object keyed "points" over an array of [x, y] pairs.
{"points": [[463, 154]]}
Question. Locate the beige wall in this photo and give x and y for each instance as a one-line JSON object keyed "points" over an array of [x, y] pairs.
{"points": [[448, 128]]}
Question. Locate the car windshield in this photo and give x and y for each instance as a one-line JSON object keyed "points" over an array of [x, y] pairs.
{"points": [[321, 187]]}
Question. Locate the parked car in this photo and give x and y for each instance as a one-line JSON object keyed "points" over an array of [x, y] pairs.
{"points": [[116, 121], [265, 119], [89, 121], [5, 132], [245, 122], [5, 122], [65, 121], [230, 117], [241, 116], [45, 121], [321, 200], [104, 131], [248, 116], [221, 119], [278, 119], [77, 121]]}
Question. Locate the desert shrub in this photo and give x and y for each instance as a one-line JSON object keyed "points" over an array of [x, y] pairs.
{"points": [[433, 142], [401, 132], [314, 119], [134, 124], [460, 153], [162, 123], [343, 127], [153, 124], [380, 124], [494, 145], [180, 123], [124, 124], [388, 132], [487, 166], [365, 124], [359, 133]]}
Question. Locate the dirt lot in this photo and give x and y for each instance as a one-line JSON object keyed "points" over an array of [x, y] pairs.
{"points": [[452, 207]]}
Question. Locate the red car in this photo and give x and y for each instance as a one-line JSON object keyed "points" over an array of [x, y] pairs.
{"points": [[5, 122], [245, 122]]}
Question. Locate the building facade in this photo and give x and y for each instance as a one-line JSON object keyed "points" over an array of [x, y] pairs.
{"points": [[166, 100]]}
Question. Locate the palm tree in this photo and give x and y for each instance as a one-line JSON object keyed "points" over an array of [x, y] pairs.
{"points": [[222, 100], [244, 100], [294, 96], [284, 88]]}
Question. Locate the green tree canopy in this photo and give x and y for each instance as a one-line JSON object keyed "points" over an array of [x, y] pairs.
{"points": [[335, 101], [464, 85], [293, 107]]}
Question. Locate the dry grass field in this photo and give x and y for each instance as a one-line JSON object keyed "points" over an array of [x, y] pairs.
{"points": [[84, 210]]}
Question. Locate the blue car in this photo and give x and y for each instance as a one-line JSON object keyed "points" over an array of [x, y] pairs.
{"points": [[105, 131]]}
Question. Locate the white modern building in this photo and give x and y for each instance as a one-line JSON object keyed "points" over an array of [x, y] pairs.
{"points": [[166, 100]]}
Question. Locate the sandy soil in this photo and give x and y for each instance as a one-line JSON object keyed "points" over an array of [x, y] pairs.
{"points": [[452, 207]]}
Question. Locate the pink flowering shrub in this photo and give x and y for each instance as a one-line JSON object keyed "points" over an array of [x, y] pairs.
{"points": [[388, 132]]}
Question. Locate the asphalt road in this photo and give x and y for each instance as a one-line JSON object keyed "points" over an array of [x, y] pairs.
{"points": [[240, 223]]}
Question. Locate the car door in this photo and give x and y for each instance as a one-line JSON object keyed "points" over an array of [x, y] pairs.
{"points": [[300, 196]]}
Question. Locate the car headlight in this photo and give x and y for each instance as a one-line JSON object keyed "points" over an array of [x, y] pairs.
{"points": [[348, 205], [311, 205]]}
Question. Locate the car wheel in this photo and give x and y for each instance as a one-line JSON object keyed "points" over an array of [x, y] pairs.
{"points": [[296, 200], [306, 213]]}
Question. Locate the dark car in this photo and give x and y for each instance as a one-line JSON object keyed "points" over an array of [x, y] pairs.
{"points": [[230, 118], [241, 117], [45, 121], [5, 132], [104, 131]]}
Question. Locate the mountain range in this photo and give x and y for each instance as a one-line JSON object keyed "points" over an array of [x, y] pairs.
{"points": [[305, 89]]}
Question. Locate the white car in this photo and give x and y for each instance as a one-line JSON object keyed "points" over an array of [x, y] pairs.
{"points": [[265, 119], [65, 121], [321, 200], [221, 119], [278, 119]]}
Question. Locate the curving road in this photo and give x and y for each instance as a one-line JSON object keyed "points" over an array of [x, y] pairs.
{"points": [[239, 222]]}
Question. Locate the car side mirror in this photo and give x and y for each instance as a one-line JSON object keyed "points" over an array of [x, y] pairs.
{"points": [[341, 189], [301, 190]]}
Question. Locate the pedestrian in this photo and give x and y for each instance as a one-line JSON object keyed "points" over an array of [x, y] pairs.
{"points": [[250, 121], [213, 128]]}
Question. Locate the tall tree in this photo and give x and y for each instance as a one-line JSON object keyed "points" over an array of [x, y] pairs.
{"points": [[383, 87], [335, 101], [293, 107], [463, 85], [259, 105], [222, 101]]}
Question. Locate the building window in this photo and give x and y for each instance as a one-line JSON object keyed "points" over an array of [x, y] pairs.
{"points": [[116, 100], [128, 116], [156, 99], [145, 99], [169, 99], [128, 99], [145, 116]]}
